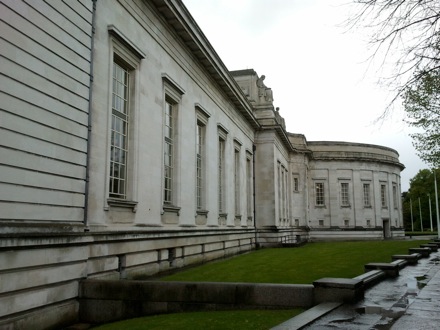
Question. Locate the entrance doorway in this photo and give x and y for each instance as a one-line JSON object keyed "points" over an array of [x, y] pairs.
{"points": [[386, 228]]}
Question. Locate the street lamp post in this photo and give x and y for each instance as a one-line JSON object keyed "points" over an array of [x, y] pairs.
{"points": [[421, 219]]}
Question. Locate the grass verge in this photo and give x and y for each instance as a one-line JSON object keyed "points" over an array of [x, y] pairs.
{"points": [[297, 265], [289, 265], [240, 320]]}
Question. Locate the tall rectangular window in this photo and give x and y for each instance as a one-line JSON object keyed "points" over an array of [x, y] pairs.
{"points": [[367, 197], [200, 154], [279, 190], [295, 184], [383, 195], [249, 186], [171, 189], [123, 137], [395, 198], [168, 153], [284, 193], [221, 175], [319, 194], [345, 197], [237, 180], [119, 132]]}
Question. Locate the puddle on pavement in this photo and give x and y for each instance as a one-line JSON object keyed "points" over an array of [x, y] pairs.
{"points": [[421, 281], [434, 261], [383, 304], [389, 315]]}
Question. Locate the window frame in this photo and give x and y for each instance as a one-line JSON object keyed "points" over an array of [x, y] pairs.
{"points": [[172, 99], [127, 56], [383, 196], [169, 165], [249, 185], [319, 195], [222, 133], [119, 131], [202, 117], [237, 178], [345, 194], [366, 194], [295, 183]]}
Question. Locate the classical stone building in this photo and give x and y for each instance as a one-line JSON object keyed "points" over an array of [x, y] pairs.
{"points": [[127, 148]]}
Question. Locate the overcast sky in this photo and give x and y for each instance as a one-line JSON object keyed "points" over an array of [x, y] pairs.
{"points": [[319, 72]]}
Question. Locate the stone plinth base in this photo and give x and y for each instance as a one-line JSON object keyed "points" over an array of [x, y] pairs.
{"points": [[425, 252], [338, 289], [391, 269], [411, 259]]}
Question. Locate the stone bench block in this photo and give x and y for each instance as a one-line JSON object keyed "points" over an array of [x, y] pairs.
{"points": [[425, 252], [338, 290], [372, 277], [433, 247], [400, 263], [412, 259], [389, 268]]}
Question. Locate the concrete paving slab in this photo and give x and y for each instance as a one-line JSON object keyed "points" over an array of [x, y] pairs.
{"points": [[409, 302]]}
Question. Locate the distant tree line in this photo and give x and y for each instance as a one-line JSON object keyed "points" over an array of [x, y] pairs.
{"points": [[421, 188]]}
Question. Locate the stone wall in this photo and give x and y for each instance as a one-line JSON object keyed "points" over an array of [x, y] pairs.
{"points": [[45, 83], [107, 301], [40, 274]]}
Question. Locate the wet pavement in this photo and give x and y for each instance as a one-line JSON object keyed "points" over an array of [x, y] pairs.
{"points": [[409, 302]]}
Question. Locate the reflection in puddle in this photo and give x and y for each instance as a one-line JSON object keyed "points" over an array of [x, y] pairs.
{"points": [[388, 315]]}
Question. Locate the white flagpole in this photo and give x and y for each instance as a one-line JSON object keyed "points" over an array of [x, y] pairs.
{"points": [[430, 212], [436, 205], [412, 220]]}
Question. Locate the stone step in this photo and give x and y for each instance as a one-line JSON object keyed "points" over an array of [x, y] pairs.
{"points": [[308, 316]]}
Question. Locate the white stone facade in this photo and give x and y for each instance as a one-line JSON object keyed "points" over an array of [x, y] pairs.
{"points": [[128, 149]]}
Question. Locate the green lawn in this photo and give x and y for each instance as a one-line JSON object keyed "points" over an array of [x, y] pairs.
{"points": [[288, 265], [297, 265], [240, 320]]}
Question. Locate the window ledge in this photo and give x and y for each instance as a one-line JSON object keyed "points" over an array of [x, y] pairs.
{"points": [[345, 206], [202, 212], [113, 202], [171, 209]]}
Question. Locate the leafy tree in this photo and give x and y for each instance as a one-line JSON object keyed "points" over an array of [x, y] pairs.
{"points": [[422, 106], [406, 30], [421, 186], [407, 33]]}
